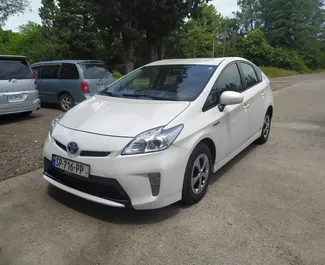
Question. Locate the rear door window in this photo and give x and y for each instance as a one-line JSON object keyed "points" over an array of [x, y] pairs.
{"points": [[69, 71], [95, 71], [249, 75], [14, 68], [50, 71]]}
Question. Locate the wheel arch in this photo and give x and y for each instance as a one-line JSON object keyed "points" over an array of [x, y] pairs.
{"points": [[270, 110]]}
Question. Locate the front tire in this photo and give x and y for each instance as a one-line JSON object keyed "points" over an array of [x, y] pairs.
{"points": [[66, 102], [266, 129], [197, 174]]}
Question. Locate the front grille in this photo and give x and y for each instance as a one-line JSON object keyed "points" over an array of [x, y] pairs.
{"points": [[62, 146], [105, 188], [94, 154], [85, 153]]}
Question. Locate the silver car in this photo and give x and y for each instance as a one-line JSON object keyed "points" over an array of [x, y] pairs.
{"points": [[18, 89]]}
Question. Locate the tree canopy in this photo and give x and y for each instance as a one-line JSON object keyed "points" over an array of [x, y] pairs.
{"points": [[126, 34]]}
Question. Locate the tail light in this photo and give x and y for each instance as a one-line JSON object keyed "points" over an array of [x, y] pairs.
{"points": [[84, 87], [34, 77]]}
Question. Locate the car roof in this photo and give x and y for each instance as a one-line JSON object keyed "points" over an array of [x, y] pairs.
{"points": [[13, 56], [195, 61], [67, 61]]}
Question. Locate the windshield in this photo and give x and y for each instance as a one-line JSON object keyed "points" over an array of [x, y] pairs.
{"points": [[11, 68], [167, 82], [94, 71]]}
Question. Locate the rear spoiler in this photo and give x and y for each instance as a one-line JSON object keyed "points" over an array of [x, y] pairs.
{"points": [[91, 62], [13, 56]]}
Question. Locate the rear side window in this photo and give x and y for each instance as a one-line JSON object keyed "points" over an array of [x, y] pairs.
{"points": [[249, 75], [36, 71], [94, 71], [11, 68], [69, 71], [259, 74], [50, 71]]}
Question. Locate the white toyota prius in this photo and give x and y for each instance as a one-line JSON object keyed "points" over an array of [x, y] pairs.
{"points": [[156, 136]]}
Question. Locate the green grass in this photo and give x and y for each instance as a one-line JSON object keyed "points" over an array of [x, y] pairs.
{"points": [[273, 72]]}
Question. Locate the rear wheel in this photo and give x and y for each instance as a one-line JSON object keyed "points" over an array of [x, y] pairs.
{"points": [[198, 171], [26, 114], [266, 129], [66, 102]]}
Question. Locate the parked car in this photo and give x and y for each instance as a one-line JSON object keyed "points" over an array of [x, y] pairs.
{"points": [[156, 136], [18, 89], [69, 82]]}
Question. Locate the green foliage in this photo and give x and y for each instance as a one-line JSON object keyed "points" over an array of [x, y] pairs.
{"points": [[117, 75], [285, 34]]}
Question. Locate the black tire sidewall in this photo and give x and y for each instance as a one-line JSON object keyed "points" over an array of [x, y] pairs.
{"points": [[188, 196], [267, 137]]}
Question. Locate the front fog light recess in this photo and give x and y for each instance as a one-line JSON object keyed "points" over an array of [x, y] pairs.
{"points": [[154, 179]]}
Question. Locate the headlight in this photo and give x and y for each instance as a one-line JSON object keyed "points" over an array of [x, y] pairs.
{"points": [[55, 122], [153, 140]]}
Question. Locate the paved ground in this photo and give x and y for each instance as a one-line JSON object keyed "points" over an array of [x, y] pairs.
{"points": [[265, 207]]}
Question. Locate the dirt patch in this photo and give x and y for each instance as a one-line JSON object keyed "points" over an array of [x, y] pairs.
{"points": [[276, 85], [21, 141]]}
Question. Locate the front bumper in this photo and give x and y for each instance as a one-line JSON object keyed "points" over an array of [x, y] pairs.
{"points": [[119, 181]]}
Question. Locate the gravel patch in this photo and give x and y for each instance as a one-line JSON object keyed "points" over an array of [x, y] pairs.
{"points": [[21, 142]]}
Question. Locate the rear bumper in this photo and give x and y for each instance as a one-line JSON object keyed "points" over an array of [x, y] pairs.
{"points": [[31, 103]]}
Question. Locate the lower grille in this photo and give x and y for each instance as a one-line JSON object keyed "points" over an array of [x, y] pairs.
{"points": [[105, 188]]}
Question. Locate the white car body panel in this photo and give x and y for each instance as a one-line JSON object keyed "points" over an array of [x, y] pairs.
{"points": [[108, 124], [89, 115]]}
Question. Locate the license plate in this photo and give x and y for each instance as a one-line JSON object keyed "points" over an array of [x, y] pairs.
{"points": [[16, 97], [101, 87], [71, 166]]}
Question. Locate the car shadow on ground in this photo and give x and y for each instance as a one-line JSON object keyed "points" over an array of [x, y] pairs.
{"points": [[50, 106], [131, 216], [14, 118]]}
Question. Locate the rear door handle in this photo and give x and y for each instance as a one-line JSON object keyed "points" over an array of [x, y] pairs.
{"points": [[263, 93], [246, 106]]}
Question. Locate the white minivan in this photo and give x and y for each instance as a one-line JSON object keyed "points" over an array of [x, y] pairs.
{"points": [[18, 89], [156, 136]]}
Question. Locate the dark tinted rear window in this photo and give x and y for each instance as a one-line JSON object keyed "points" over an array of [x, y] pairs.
{"points": [[50, 71], [69, 71], [94, 71], [11, 68]]}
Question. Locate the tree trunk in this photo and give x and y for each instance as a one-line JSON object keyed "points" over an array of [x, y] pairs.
{"points": [[153, 52], [128, 59], [128, 54], [161, 50], [153, 46]]}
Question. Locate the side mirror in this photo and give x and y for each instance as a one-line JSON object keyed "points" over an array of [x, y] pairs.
{"points": [[230, 98]]}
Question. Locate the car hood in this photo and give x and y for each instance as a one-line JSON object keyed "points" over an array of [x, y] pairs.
{"points": [[121, 116]]}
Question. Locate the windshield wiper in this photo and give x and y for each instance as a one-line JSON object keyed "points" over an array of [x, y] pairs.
{"points": [[106, 93], [146, 96]]}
